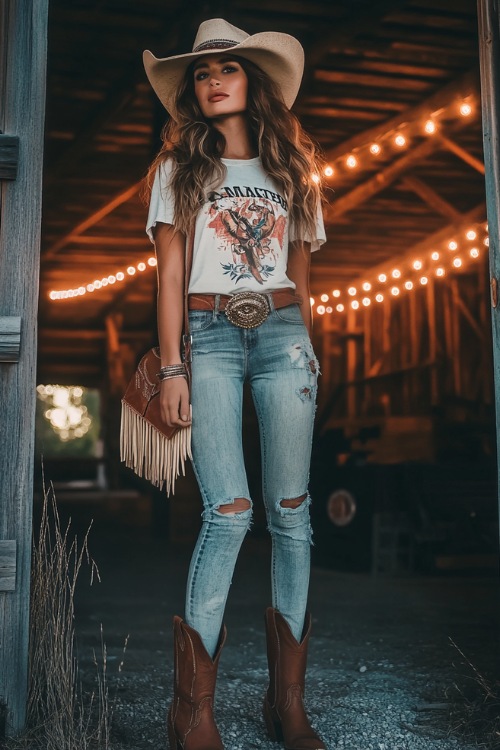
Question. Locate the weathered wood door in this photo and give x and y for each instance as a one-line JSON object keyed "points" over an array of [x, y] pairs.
{"points": [[23, 49], [489, 53]]}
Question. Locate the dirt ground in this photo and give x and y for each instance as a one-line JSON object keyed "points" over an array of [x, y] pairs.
{"points": [[383, 673]]}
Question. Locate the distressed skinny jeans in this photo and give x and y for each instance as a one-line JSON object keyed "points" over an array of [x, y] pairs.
{"points": [[278, 361]]}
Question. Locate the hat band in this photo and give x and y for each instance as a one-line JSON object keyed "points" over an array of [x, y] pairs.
{"points": [[216, 44]]}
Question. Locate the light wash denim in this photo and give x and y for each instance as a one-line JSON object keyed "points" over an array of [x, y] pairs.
{"points": [[278, 360]]}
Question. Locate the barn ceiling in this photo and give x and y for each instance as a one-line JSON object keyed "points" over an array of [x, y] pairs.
{"points": [[374, 70]]}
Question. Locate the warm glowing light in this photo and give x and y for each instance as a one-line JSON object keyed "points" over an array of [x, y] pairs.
{"points": [[352, 291], [120, 276], [90, 287], [131, 270], [104, 282], [471, 234], [382, 277], [316, 178], [329, 171], [152, 262], [320, 309], [54, 295], [97, 284], [329, 309], [355, 304], [486, 241], [366, 286], [396, 273], [311, 301], [417, 265], [440, 271], [452, 245], [112, 279], [141, 266], [457, 262], [395, 291], [424, 280], [379, 297], [408, 284], [340, 307], [324, 298], [375, 149], [474, 252], [336, 293], [400, 140], [351, 161], [435, 255], [366, 301], [465, 109], [430, 127]]}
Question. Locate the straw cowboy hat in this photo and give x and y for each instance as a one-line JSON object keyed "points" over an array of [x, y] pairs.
{"points": [[279, 55]]}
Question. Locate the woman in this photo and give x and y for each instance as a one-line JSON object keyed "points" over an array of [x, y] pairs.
{"points": [[236, 170]]}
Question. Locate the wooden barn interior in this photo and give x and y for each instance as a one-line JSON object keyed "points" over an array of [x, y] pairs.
{"points": [[400, 292]]}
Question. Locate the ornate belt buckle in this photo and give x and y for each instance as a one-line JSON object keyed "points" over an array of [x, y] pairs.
{"points": [[247, 309]]}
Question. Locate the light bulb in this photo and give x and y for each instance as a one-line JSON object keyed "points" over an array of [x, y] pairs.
{"points": [[329, 171], [400, 140], [152, 262], [435, 255], [408, 284], [382, 277], [104, 282], [439, 271], [112, 279], [417, 265], [366, 301], [131, 270], [424, 280], [379, 297], [366, 286], [430, 127], [54, 295], [396, 273], [351, 161], [329, 309], [457, 262], [90, 287], [336, 293], [474, 252], [465, 109], [324, 297], [320, 309], [395, 291], [355, 304], [141, 266], [486, 241], [471, 234], [120, 276], [375, 149], [352, 291], [311, 301], [340, 308], [452, 245]]}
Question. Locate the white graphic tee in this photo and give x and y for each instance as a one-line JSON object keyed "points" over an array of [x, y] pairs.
{"points": [[241, 232]]}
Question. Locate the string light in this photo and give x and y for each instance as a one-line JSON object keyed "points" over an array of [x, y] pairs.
{"points": [[352, 291], [113, 278], [351, 161], [471, 234], [324, 297], [312, 301], [336, 293], [430, 127], [375, 149], [452, 245], [417, 265], [440, 271], [366, 301], [424, 280], [355, 304], [400, 140], [329, 171], [320, 309], [366, 286], [465, 109], [329, 309], [435, 255], [379, 297], [486, 241], [457, 262], [408, 285], [382, 278], [396, 273], [474, 252], [340, 307]]}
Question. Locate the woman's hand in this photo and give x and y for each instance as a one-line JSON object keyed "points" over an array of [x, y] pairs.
{"points": [[174, 402]]}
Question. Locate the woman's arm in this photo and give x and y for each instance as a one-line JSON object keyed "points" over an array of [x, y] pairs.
{"points": [[170, 249], [299, 264]]}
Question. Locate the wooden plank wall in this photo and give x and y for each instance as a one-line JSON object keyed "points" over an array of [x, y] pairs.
{"points": [[23, 52]]}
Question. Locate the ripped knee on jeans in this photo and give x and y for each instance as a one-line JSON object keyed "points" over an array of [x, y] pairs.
{"points": [[240, 505], [293, 502]]}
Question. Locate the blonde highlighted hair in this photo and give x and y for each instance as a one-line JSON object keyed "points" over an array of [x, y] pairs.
{"points": [[288, 154]]}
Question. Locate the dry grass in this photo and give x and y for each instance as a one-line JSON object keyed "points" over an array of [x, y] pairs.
{"points": [[476, 715], [61, 715]]}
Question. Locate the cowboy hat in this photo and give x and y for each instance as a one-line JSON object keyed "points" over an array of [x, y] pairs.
{"points": [[279, 55]]}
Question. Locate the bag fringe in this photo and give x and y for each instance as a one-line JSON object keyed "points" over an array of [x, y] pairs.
{"points": [[149, 453]]}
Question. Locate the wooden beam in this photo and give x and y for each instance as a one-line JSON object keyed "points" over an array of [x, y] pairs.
{"points": [[9, 156], [462, 153], [461, 87], [10, 338], [8, 565], [460, 304], [90, 221], [429, 196]]}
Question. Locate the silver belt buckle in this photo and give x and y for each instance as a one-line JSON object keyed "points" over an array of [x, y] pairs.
{"points": [[247, 309]]}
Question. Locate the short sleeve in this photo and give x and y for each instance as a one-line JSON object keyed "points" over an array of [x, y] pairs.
{"points": [[319, 233], [162, 203]]}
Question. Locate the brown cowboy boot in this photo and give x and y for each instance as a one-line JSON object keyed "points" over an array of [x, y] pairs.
{"points": [[191, 724], [284, 712]]}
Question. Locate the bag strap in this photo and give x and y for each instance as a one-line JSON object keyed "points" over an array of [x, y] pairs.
{"points": [[188, 264]]}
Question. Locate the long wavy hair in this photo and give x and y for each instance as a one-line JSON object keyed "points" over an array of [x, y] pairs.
{"points": [[288, 154]]}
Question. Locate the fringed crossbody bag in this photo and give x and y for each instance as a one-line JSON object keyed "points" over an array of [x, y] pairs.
{"points": [[147, 445]]}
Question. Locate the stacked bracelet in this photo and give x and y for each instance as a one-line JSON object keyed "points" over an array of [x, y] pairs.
{"points": [[172, 371]]}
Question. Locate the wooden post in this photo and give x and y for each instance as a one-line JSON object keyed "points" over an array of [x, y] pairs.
{"points": [[23, 41], [489, 57]]}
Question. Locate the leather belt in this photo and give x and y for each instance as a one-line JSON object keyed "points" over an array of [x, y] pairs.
{"points": [[280, 297]]}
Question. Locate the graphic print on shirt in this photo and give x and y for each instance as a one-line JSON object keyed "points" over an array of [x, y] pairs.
{"points": [[249, 227]]}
